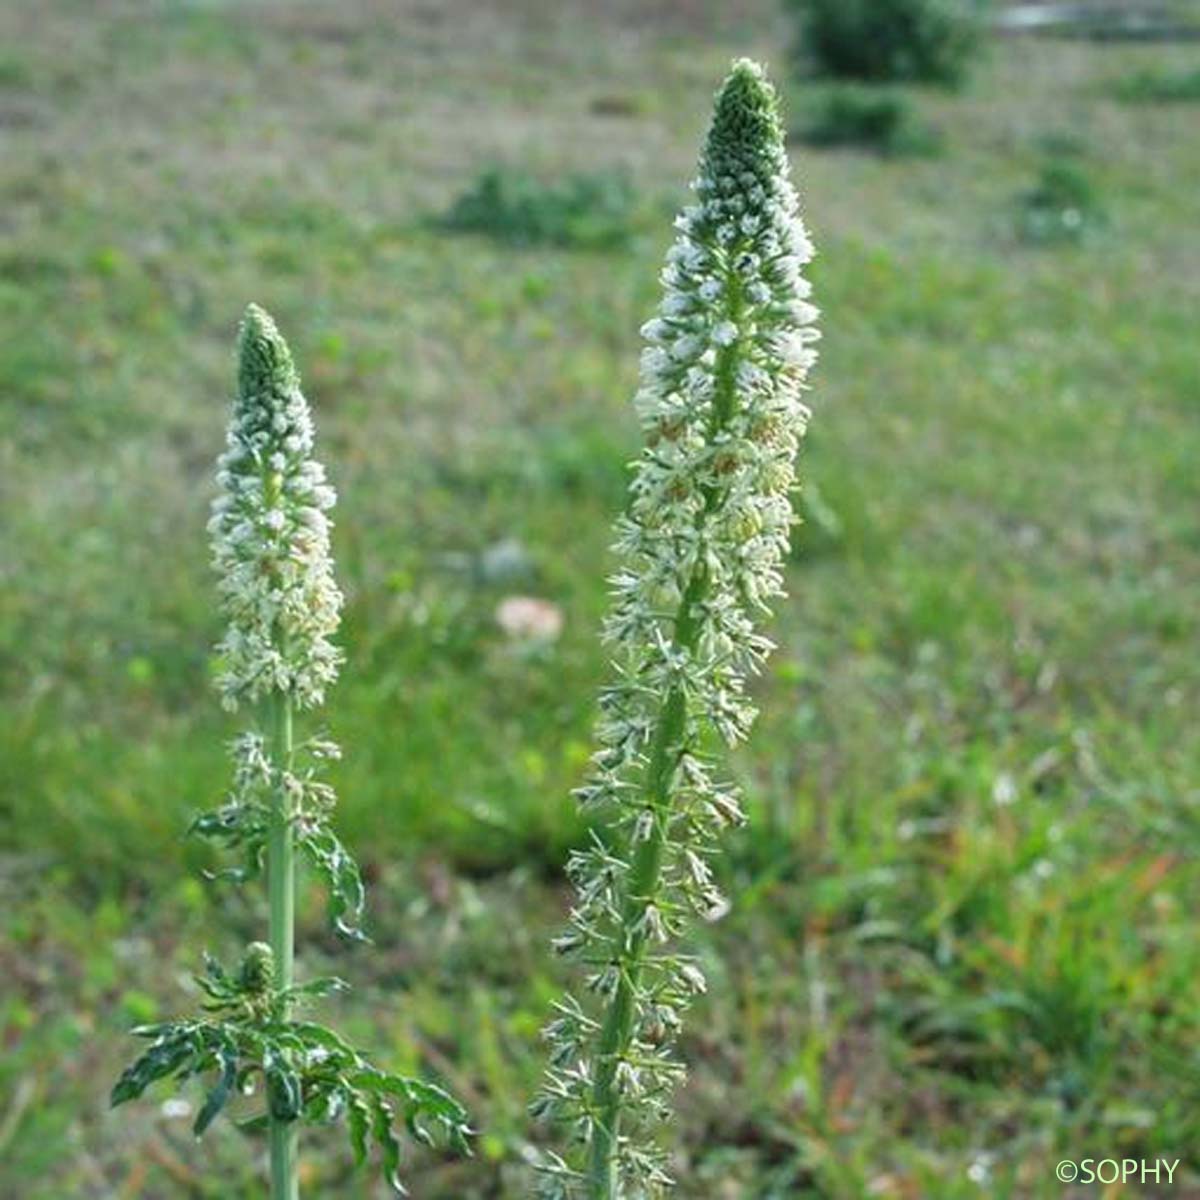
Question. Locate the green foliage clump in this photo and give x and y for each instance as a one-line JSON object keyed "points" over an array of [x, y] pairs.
{"points": [[887, 40], [1061, 207], [1158, 87], [590, 211], [885, 122]]}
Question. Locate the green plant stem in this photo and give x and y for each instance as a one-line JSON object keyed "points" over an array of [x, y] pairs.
{"points": [[643, 884], [666, 751], [281, 884]]}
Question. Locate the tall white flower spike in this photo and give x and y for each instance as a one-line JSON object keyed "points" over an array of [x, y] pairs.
{"points": [[702, 546]]}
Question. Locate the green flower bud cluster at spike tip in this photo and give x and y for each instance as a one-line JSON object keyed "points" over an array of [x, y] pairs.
{"points": [[270, 534], [702, 547]]}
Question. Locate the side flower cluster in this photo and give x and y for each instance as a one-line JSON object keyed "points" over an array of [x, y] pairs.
{"points": [[242, 823], [270, 534], [701, 546]]}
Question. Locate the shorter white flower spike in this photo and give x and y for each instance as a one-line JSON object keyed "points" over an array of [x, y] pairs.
{"points": [[270, 534]]}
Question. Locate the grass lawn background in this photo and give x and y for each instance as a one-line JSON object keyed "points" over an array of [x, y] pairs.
{"points": [[963, 941]]}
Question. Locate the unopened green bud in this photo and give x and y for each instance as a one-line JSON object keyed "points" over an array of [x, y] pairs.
{"points": [[256, 974]]}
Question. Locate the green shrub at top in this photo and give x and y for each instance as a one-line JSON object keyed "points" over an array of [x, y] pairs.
{"points": [[884, 122], [585, 210], [887, 40]]}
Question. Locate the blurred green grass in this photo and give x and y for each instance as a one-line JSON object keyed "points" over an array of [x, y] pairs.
{"points": [[962, 942]]}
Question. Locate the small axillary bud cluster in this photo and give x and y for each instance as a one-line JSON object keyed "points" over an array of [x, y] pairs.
{"points": [[256, 973], [270, 534], [702, 547]]}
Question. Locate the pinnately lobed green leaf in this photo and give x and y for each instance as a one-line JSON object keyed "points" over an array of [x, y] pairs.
{"points": [[305, 1071]]}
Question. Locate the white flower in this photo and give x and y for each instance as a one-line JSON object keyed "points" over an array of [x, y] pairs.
{"points": [[270, 535], [686, 347], [725, 334]]}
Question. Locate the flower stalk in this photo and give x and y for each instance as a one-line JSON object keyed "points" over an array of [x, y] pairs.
{"points": [[702, 545], [271, 550], [281, 884]]}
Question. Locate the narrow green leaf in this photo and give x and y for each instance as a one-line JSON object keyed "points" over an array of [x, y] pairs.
{"points": [[321, 1036], [215, 1101], [389, 1147], [318, 989], [283, 1087], [358, 1118], [340, 874], [162, 1059]]}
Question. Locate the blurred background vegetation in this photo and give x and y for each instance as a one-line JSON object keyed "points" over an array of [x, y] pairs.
{"points": [[963, 943]]}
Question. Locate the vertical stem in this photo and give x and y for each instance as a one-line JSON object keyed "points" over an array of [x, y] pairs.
{"points": [[281, 884], [617, 1031]]}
